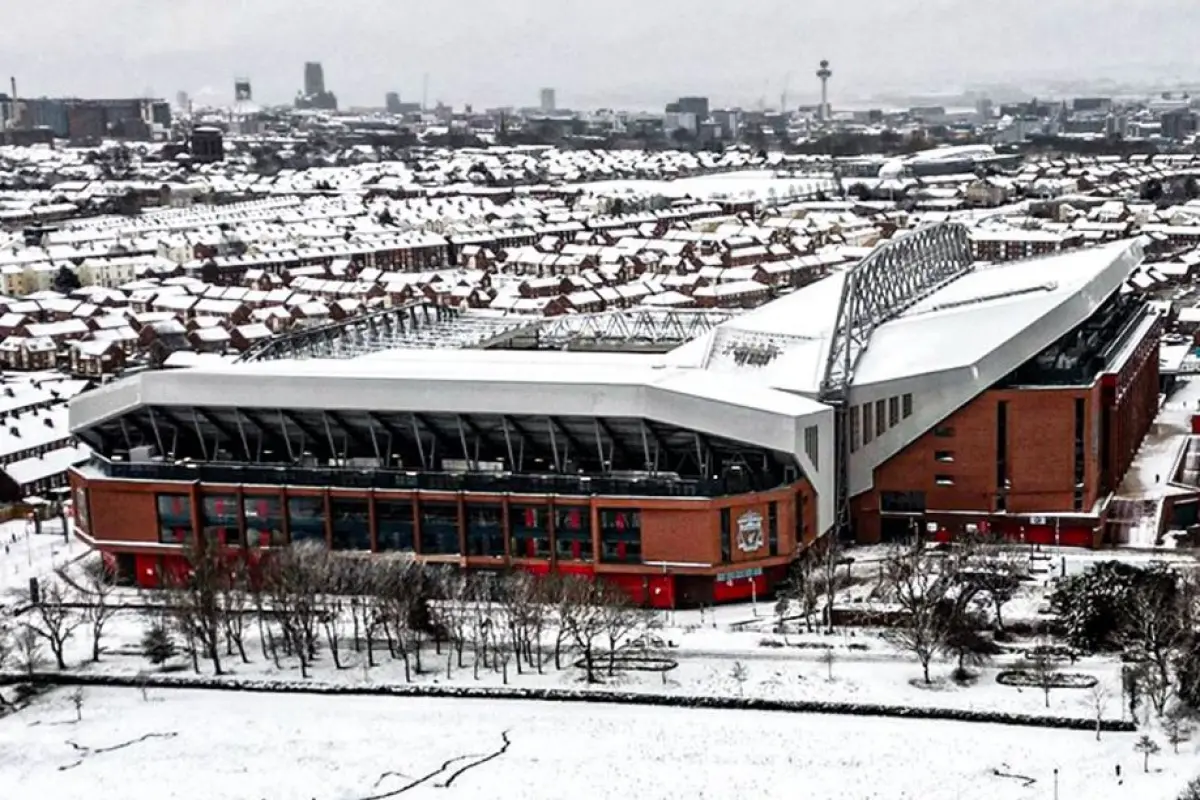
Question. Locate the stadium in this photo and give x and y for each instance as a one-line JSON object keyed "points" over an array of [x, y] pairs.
{"points": [[685, 455]]}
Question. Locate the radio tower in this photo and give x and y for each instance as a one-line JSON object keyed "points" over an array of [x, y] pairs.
{"points": [[824, 73]]}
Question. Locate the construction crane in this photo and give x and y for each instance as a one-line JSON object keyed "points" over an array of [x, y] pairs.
{"points": [[783, 97]]}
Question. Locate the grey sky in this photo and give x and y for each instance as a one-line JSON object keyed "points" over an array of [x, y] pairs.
{"points": [[627, 53]]}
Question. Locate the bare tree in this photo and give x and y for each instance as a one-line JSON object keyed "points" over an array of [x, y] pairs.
{"points": [[740, 675], [805, 589], [829, 564], [28, 650], [234, 600], [54, 620], [1099, 696], [1177, 725], [333, 623], [196, 601], [1042, 667], [828, 658], [621, 619], [1147, 747], [919, 586], [94, 589], [586, 620], [77, 697], [8, 647], [298, 579]]}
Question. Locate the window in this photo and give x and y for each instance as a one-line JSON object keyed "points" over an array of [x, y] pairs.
{"points": [[306, 519], [880, 417], [726, 546], [773, 528], [219, 518], [853, 429], [902, 502], [620, 535], [485, 530], [1080, 463], [944, 480], [529, 527], [174, 518], [351, 523], [800, 528], [893, 411], [812, 444], [1002, 456], [264, 521], [944, 432], [573, 533], [394, 526], [439, 528], [906, 403], [944, 456], [868, 427]]}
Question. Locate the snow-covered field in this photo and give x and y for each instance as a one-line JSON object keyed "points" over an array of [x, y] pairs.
{"points": [[221, 746]]}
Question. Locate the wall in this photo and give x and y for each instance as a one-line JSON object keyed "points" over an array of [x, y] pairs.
{"points": [[683, 532], [1040, 459]]}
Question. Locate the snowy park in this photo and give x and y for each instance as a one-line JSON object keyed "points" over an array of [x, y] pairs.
{"points": [[185, 689], [170, 743]]}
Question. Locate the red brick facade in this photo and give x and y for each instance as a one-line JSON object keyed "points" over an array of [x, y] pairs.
{"points": [[956, 464]]}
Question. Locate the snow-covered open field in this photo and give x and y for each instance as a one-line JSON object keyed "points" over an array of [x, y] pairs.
{"points": [[245, 746]]}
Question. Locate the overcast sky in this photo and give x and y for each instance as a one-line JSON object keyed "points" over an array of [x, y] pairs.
{"points": [[624, 53]]}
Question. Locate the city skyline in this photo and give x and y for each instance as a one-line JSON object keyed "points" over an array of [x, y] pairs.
{"points": [[600, 55]]}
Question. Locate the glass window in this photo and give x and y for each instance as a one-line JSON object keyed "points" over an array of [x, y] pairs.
{"points": [[944, 480], [944, 432], [306, 519], [530, 531], [264, 521], [219, 517], [726, 541], [485, 530], [394, 525], [880, 417], [868, 426], [351, 522], [174, 518], [573, 532], [906, 402], [773, 528], [854, 436], [621, 535], [893, 411], [439, 528]]}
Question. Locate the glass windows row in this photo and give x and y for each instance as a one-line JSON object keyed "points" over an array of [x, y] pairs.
{"points": [[350, 526], [873, 419]]}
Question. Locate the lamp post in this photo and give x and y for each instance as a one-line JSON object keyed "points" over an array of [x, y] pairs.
{"points": [[1056, 783]]}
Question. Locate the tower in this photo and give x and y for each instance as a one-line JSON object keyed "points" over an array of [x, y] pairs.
{"points": [[314, 78], [824, 73], [242, 93], [548, 104]]}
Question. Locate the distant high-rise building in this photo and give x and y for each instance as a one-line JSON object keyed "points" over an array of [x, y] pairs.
{"points": [[391, 102], [694, 105], [182, 101], [314, 78], [1178, 125], [548, 103], [241, 90], [985, 111]]}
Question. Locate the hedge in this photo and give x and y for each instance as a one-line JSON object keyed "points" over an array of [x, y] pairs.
{"points": [[233, 684]]}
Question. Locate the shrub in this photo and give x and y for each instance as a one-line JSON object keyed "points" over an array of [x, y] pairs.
{"points": [[157, 644]]}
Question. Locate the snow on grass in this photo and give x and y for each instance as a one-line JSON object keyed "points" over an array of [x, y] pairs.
{"points": [[874, 675], [227, 746], [25, 555]]}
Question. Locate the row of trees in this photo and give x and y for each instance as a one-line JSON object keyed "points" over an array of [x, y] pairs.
{"points": [[305, 602]]}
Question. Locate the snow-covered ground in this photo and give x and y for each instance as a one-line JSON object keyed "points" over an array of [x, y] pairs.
{"points": [[25, 555], [224, 746]]}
